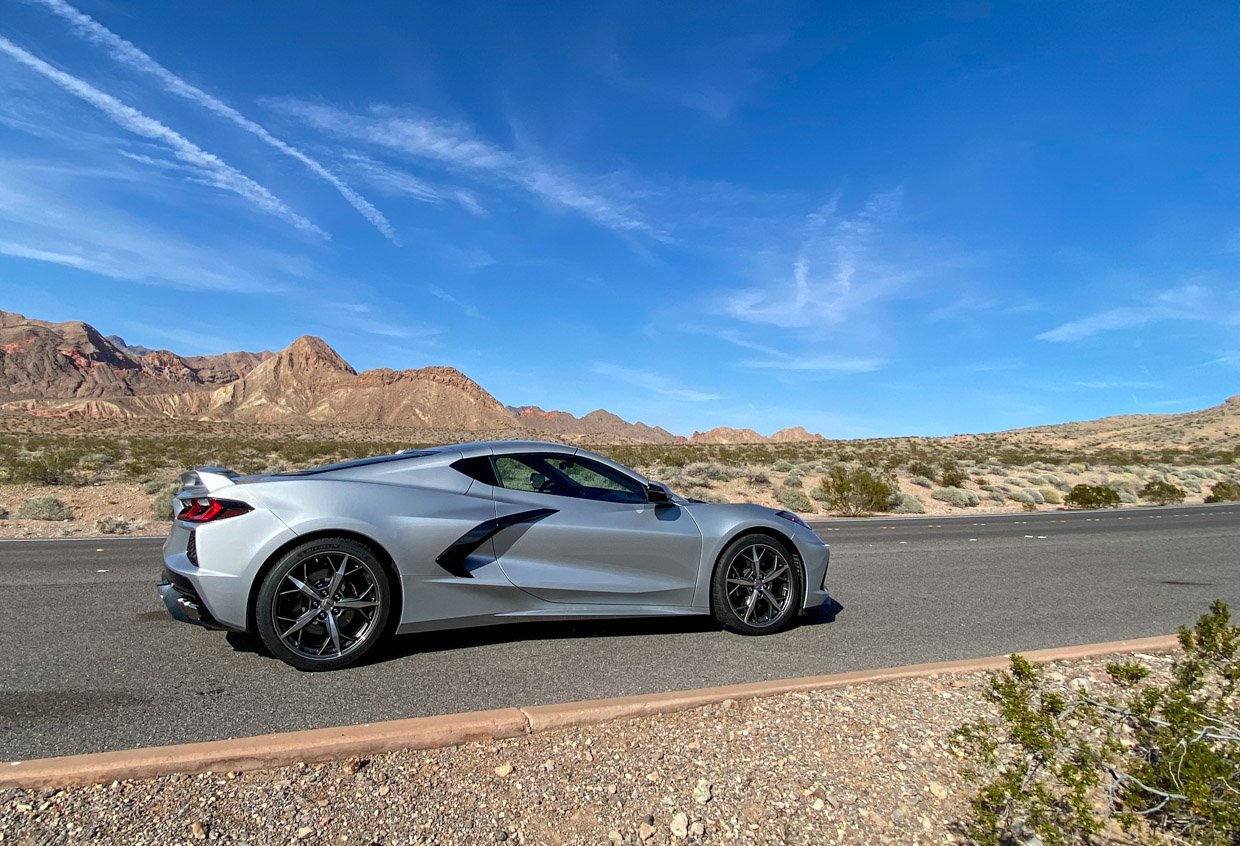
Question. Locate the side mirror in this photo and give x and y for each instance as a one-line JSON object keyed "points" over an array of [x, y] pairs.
{"points": [[658, 494]]}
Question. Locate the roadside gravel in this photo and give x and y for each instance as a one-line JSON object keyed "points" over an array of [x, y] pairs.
{"points": [[865, 764]]}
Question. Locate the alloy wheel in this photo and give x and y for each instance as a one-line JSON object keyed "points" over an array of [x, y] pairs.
{"points": [[326, 605], [759, 585]]}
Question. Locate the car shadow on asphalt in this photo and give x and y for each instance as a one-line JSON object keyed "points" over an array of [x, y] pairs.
{"points": [[451, 640]]}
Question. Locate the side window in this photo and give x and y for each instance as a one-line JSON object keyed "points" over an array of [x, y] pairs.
{"points": [[566, 475], [479, 469], [598, 481], [518, 474]]}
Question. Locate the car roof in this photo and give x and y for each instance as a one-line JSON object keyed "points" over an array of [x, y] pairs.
{"points": [[509, 447]]}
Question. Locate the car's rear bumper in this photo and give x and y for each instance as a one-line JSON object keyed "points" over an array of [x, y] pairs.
{"points": [[183, 602]]}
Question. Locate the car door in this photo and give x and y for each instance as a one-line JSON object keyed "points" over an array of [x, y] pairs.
{"points": [[599, 542]]}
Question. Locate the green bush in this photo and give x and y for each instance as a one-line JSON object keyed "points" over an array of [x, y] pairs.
{"points": [[906, 503], [1159, 759], [794, 499], [852, 491], [920, 468], [794, 480], [53, 469], [1051, 495], [161, 506], [783, 465], [152, 487], [952, 476], [922, 481], [43, 508], [957, 497], [1092, 496], [1224, 492], [1161, 493], [117, 526]]}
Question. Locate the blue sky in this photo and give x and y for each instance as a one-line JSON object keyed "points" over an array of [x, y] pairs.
{"points": [[904, 219]]}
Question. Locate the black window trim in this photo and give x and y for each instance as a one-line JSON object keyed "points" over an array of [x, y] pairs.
{"points": [[572, 456]]}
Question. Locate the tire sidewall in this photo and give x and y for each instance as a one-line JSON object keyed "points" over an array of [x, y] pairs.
{"points": [[265, 624], [719, 598]]}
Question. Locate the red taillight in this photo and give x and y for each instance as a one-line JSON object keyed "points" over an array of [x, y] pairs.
{"points": [[207, 509]]}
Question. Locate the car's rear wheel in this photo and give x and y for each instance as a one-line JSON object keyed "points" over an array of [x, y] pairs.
{"points": [[757, 585], [324, 604]]}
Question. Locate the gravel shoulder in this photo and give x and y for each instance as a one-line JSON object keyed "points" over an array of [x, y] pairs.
{"points": [[864, 764]]}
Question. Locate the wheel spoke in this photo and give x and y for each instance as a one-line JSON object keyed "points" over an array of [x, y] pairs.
{"points": [[777, 573], [305, 588], [333, 631], [357, 604], [733, 580], [753, 603], [302, 621], [338, 576]]}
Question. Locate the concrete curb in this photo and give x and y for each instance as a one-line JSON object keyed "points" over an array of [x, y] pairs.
{"points": [[332, 744]]}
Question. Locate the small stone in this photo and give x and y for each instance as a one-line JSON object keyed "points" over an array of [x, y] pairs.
{"points": [[304, 832], [611, 790], [698, 829], [384, 790], [352, 765], [818, 805], [198, 830], [615, 837], [938, 790], [1080, 683], [649, 819], [680, 825], [501, 836], [701, 793], [646, 831], [503, 770], [728, 703]]}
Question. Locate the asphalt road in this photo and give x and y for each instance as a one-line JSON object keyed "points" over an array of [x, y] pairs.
{"points": [[90, 660]]}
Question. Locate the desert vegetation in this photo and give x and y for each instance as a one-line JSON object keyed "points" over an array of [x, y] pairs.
{"points": [[1155, 760], [132, 466]]}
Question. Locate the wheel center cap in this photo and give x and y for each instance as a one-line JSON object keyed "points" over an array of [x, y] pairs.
{"points": [[328, 604]]}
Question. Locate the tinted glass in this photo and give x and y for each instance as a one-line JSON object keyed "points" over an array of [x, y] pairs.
{"points": [[479, 469], [566, 475]]}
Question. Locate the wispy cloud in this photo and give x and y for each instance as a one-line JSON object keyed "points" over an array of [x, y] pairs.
{"points": [[457, 146], [833, 273], [1187, 302], [401, 183], [47, 215], [655, 383], [468, 309], [210, 167], [1116, 384], [819, 363], [128, 54]]}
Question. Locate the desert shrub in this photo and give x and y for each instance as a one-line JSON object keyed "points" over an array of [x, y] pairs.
{"points": [[1034, 495], [999, 471], [43, 508], [117, 526], [920, 468], [53, 468], [906, 503], [794, 480], [782, 465], [998, 497], [161, 506], [1224, 492], [95, 461], [1159, 759], [1052, 496], [952, 476], [4, 513], [709, 470], [1161, 493], [922, 481], [152, 487], [856, 490], [1092, 496], [759, 478], [1127, 498], [956, 497], [794, 499]]}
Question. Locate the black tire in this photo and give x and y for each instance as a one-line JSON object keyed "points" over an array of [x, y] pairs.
{"points": [[780, 585], [291, 623]]}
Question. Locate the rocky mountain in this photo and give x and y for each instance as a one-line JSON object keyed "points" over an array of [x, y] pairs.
{"points": [[41, 360], [71, 370], [795, 434], [726, 435]]}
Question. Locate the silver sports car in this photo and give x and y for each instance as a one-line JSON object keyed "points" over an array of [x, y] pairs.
{"points": [[323, 563]]}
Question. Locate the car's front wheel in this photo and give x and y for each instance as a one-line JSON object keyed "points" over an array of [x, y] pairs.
{"points": [[324, 604], [757, 585]]}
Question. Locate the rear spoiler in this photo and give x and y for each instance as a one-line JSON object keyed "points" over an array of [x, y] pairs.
{"points": [[208, 479]]}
